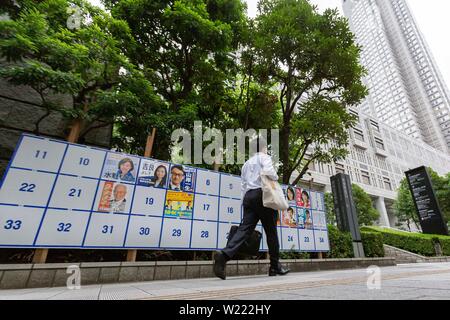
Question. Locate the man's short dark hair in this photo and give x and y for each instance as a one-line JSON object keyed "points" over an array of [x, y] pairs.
{"points": [[177, 166]]}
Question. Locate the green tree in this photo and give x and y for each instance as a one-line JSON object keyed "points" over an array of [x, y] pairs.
{"points": [[73, 48], [404, 208], [313, 59], [365, 211], [441, 186], [185, 49], [329, 206]]}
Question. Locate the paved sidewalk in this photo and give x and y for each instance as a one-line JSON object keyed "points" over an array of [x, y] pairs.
{"points": [[408, 281]]}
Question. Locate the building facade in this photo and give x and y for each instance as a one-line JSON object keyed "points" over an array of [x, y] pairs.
{"points": [[378, 157], [406, 88], [404, 122]]}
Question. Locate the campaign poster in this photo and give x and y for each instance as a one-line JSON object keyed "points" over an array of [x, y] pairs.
{"points": [[179, 204], [182, 178], [114, 197], [305, 219], [303, 198], [289, 194], [120, 167], [153, 173], [289, 217]]}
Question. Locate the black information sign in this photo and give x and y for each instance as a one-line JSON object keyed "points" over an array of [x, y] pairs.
{"points": [[344, 205], [427, 207]]}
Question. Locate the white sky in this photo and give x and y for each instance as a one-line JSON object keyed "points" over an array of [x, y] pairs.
{"points": [[431, 15]]}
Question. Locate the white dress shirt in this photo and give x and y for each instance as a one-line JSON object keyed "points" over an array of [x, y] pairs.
{"points": [[251, 170]]}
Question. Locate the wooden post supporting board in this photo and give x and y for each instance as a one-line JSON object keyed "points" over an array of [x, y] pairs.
{"points": [[40, 255]]}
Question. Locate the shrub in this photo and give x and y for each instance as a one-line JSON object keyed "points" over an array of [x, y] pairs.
{"points": [[340, 243], [414, 242], [445, 244], [294, 255], [372, 243]]}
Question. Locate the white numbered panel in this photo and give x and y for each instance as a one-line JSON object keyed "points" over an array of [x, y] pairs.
{"points": [[207, 182], [63, 228], [224, 231], [289, 238], [306, 238], [143, 232], [73, 193], [230, 186], [39, 154], [204, 235], [148, 200], [114, 197], [106, 230], [176, 233], [319, 220], [82, 161], [313, 196], [18, 225], [206, 207], [230, 210], [27, 188], [320, 197], [322, 242]]}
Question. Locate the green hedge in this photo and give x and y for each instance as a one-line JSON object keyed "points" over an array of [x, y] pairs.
{"points": [[340, 243], [419, 243], [445, 244], [373, 244]]}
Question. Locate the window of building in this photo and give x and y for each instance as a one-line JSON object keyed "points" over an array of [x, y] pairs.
{"points": [[387, 183], [358, 134], [365, 177], [379, 143], [339, 168]]}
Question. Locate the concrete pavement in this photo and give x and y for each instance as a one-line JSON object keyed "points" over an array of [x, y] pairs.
{"points": [[408, 281]]}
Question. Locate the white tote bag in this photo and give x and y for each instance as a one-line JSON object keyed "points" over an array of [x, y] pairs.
{"points": [[273, 196]]}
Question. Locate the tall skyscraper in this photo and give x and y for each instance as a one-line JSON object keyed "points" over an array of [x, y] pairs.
{"points": [[406, 89]]}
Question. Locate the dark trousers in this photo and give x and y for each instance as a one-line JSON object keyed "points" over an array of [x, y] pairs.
{"points": [[253, 212]]}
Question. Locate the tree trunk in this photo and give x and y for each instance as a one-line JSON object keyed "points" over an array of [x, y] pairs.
{"points": [[77, 125], [284, 154]]}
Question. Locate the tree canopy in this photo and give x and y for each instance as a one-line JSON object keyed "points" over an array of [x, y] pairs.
{"points": [[165, 63]]}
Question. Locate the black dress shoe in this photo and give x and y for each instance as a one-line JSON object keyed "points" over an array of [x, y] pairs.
{"points": [[280, 270], [219, 265]]}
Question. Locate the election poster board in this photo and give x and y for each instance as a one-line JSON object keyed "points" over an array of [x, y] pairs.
{"points": [[56, 194]]}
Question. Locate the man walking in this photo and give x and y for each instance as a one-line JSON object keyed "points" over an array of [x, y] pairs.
{"points": [[253, 212]]}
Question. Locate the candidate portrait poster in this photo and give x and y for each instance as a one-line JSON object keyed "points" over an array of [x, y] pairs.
{"points": [[305, 218], [289, 217], [289, 194], [153, 173], [179, 204], [114, 197], [303, 198], [120, 167], [182, 178]]}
